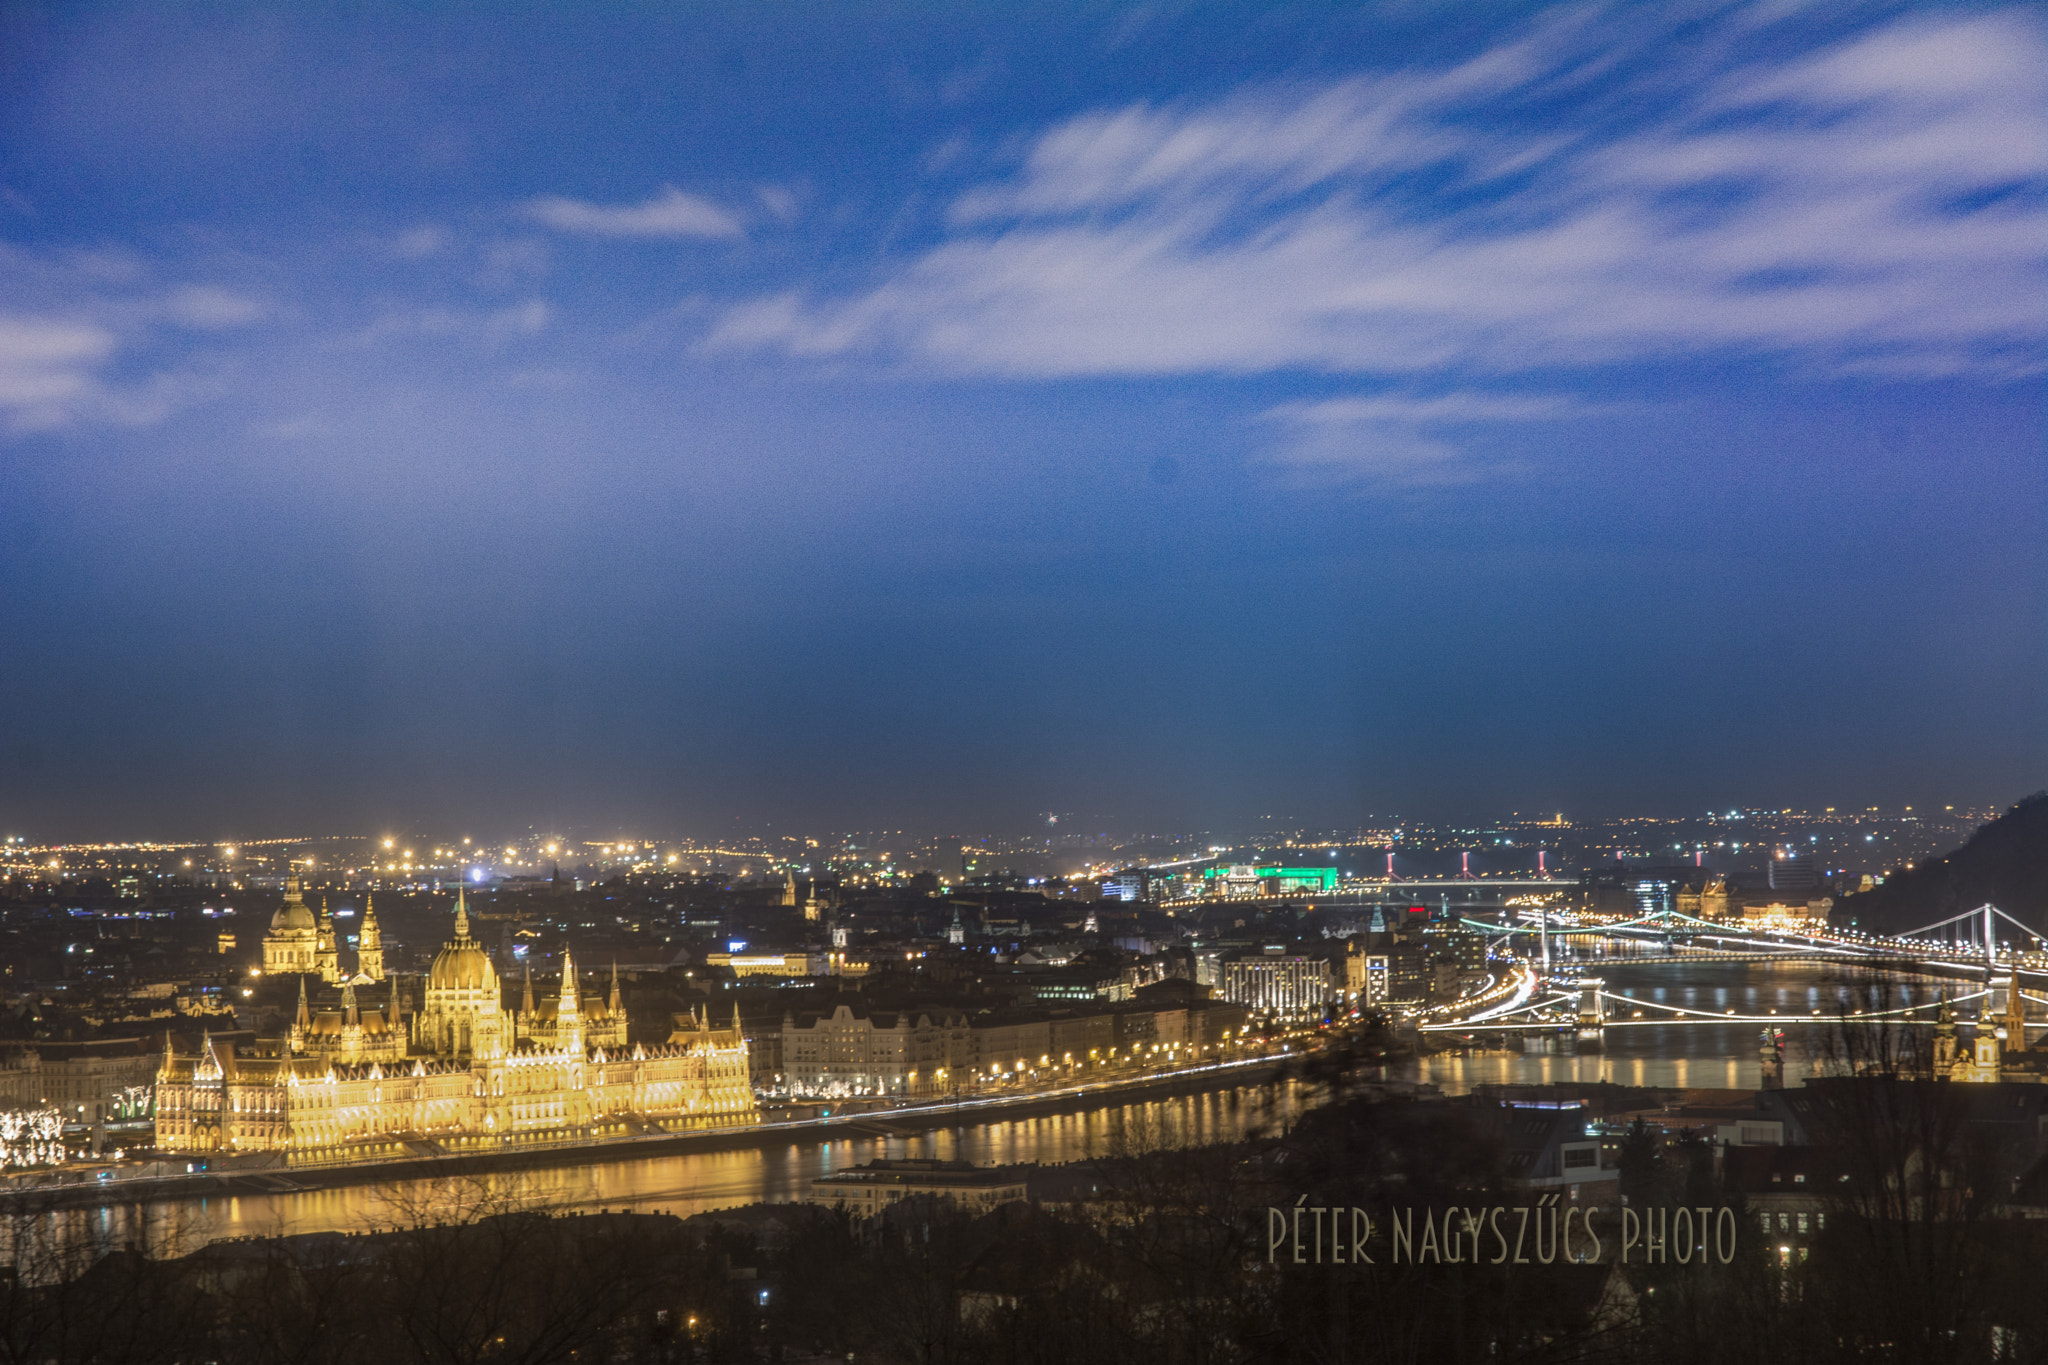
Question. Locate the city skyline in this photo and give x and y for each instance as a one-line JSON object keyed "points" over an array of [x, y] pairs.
{"points": [[1184, 415]]}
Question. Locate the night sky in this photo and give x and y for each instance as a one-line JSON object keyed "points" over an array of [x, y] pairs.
{"points": [[687, 418]]}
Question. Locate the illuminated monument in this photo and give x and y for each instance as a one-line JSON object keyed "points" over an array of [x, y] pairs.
{"points": [[463, 1074], [293, 943]]}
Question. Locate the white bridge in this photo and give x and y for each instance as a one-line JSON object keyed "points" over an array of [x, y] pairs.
{"points": [[1549, 999]]}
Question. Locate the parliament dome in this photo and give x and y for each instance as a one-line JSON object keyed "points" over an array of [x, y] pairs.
{"points": [[461, 965]]}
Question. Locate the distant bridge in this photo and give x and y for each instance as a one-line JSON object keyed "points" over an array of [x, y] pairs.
{"points": [[1965, 941]]}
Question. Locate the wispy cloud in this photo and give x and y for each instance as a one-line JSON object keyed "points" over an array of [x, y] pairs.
{"points": [[209, 307], [1875, 203], [48, 366], [100, 337], [668, 214], [1400, 440]]}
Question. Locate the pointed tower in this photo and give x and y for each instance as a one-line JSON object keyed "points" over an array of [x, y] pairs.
{"points": [[569, 1016], [351, 1017], [613, 1003], [956, 932], [326, 959], [526, 1010], [1944, 1039], [370, 946], [208, 1067], [2015, 1021], [789, 890]]}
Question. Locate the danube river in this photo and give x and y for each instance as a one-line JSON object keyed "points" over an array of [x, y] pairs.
{"points": [[778, 1172], [1692, 1056], [1683, 1056]]}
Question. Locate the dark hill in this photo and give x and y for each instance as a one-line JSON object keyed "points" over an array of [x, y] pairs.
{"points": [[2005, 862]]}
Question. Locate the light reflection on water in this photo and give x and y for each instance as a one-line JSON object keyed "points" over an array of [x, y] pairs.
{"points": [[699, 1182], [1699, 1056], [1687, 1056]]}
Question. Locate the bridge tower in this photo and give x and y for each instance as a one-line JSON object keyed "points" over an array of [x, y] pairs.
{"points": [[1592, 1010]]}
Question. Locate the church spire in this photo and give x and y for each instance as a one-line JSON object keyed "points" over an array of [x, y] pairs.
{"points": [[613, 1003], [370, 943], [569, 1019], [349, 1017], [526, 999], [461, 913], [304, 1020], [572, 1002]]}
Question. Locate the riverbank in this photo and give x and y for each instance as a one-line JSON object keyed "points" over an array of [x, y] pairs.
{"points": [[905, 1121]]}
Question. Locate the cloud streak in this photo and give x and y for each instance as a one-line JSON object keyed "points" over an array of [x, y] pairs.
{"points": [[668, 214], [1875, 203], [1399, 440]]}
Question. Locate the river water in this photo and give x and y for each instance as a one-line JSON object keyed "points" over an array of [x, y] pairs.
{"points": [[1686, 1056], [1694, 1056]]}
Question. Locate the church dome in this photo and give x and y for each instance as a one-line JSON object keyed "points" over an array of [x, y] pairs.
{"points": [[293, 914]]}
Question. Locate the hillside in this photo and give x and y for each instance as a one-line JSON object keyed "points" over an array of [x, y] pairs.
{"points": [[2005, 862]]}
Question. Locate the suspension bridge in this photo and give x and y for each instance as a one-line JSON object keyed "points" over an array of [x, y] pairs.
{"points": [[1546, 997]]}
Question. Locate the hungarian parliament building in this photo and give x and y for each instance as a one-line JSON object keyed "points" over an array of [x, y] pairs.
{"points": [[462, 1073]]}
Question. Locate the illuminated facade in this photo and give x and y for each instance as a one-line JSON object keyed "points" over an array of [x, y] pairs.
{"points": [[293, 942], [464, 1074], [1277, 983]]}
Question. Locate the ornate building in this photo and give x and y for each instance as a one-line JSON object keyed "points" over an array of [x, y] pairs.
{"points": [[303, 943], [1977, 1059], [326, 954], [293, 943], [461, 1075], [370, 945]]}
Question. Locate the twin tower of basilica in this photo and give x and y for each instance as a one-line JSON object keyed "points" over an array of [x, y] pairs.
{"points": [[463, 1072]]}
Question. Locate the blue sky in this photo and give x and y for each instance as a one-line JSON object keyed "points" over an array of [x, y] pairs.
{"points": [[693, 417]]}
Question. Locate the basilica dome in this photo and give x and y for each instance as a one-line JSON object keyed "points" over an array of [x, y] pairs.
{"points": [[293, 914]]}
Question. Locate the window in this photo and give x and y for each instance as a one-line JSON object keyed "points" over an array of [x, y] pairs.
{"points": [[1784, 1222], [1802, 1222]]}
